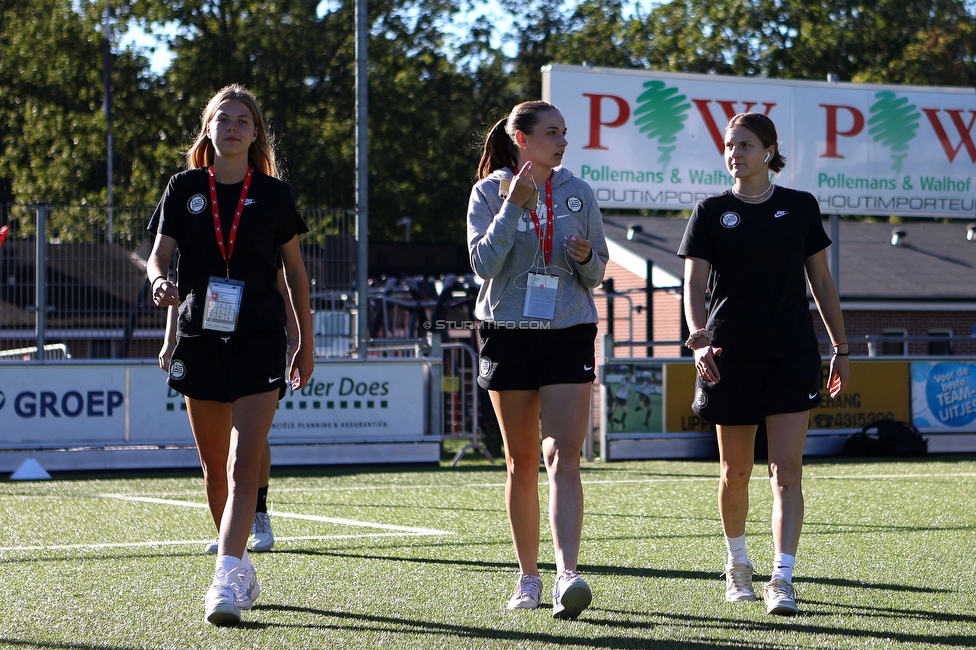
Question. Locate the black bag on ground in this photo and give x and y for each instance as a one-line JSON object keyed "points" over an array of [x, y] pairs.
{"points": [[892, 438]]}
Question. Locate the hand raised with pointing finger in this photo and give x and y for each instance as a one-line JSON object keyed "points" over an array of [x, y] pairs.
{"points": [[523, 187]]}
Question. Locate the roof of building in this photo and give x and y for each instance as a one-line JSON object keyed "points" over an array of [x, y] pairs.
{"points": [[934, 261], [105, 268]]}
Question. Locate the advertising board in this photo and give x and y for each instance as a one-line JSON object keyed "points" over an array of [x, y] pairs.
{"points": [[654, 140], [645, 397], [944, 395], [72, 404]]}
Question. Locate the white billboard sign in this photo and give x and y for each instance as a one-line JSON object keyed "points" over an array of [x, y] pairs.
{"points": [[653, 140], [49, 404], [77, 404], [353, 400]]}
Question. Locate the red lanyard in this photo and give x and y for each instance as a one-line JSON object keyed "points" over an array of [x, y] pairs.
{"points": [[227, 252], [545, 237]]}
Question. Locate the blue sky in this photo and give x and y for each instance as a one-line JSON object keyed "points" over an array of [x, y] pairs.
{"points": [[154, 45], [155, 48]]}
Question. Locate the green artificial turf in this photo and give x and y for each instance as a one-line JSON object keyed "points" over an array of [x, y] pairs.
{"points": [[886, 561]]}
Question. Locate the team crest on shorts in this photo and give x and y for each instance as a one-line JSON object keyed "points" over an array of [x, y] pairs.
{"points": [[177, 369], [574, 203], [484, 366], [196, 204], [701, 399], [730, 219]]}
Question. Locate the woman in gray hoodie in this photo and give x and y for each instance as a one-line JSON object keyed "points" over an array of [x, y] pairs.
{"points": [[535, 238]]}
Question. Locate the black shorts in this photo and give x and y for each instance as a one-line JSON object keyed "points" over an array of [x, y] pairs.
{"points": [[524, 359], [208, 367], [750, 390]]}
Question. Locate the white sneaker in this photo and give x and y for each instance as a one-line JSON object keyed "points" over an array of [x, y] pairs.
{"points": [[212, 547], [570, 595], [780, 597], [262, 539], [245, 586], [220, 604], [528, 592], [738, 583]]}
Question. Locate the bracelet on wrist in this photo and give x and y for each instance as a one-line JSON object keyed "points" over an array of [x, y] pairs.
{"points": [[152, 285], [699, 334], [841, 354], [837, 345]]}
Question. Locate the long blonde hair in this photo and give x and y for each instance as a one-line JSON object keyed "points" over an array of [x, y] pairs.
{"points": [[261, 153]]}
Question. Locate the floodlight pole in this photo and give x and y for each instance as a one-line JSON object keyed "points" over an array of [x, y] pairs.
{"points": [[362, 182], [40, 282], [107, 105]]}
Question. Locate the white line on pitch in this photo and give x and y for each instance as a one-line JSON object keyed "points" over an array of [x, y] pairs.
{"points": [[194, 542], [412, 530]]}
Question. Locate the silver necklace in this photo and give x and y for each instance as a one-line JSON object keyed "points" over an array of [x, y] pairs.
{"points": [[757, 198]]}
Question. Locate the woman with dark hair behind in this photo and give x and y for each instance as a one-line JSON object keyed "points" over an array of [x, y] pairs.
{"points": [[537, 325], [756, 353]]}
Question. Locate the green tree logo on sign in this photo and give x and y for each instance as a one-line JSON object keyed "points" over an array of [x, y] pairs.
{"points": [[661, 113], [893, 124]]}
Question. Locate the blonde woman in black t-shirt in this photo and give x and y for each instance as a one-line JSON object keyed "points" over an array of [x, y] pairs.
{"points": [[230, 218], [756, 353]]}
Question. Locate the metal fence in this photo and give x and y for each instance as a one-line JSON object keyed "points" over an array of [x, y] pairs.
{"points": [[91, 296], [90, 300], [462, 403]]}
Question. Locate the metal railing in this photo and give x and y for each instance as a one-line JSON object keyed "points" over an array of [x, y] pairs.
{"points": [[947, 345], [460, 388], [90, 299], [52, 352], [91, 293]]}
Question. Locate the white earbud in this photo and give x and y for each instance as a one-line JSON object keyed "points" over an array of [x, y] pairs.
{"points": [[768, 156]]}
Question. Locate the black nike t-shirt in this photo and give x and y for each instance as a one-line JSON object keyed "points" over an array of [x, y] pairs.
{"points": [[270, 219], [757, 282]]}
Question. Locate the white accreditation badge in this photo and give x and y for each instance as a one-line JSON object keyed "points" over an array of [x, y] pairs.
{"points": [[540, 296], [223, 304]]}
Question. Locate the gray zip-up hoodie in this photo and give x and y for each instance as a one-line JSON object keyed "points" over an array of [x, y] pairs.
{"points": [[503, 246]]}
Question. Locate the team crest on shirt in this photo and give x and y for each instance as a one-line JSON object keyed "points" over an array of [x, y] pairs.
{"points": [[574, 203], [176, 369], [196, 204], [700, 398], [484, 366], [730, 219]]}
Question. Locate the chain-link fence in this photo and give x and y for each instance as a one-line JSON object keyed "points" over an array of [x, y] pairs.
{"points": [[94, 302]]}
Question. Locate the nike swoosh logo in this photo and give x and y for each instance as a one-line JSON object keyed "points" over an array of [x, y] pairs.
{"points": [[813, 395], [249, 201], [781, 213], [587, 368], [271, 381]]}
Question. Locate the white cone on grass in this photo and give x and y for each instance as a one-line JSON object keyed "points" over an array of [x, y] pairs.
{"points": [[30, 470]]}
